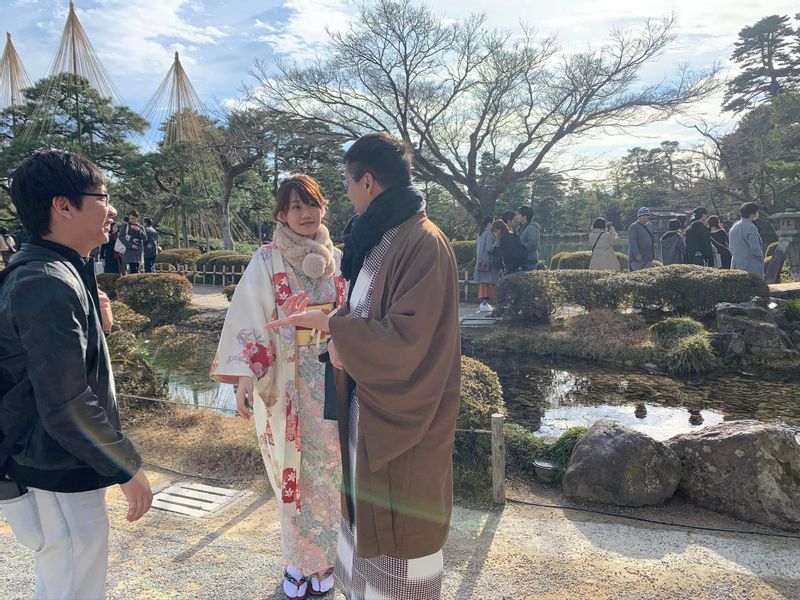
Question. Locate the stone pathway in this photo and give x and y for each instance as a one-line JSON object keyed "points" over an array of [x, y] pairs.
{"points": [[786, 291]]}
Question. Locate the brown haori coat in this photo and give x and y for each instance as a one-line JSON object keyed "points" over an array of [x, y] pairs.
{"points": [[406, 361]]}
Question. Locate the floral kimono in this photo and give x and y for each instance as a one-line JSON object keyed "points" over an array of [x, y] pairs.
{"points": [[300, 449]]}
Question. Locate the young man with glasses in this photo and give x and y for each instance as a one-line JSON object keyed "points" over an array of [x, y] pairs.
{"points": [[61, 443]]}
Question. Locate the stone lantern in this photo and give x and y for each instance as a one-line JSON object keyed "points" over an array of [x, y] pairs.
{"points": [[787, 225]]}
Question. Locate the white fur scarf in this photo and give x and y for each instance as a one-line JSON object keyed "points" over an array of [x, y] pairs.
{"points": [[313, 257]]}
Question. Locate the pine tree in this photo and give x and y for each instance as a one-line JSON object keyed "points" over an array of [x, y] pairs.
{"points": [[769, 65]]}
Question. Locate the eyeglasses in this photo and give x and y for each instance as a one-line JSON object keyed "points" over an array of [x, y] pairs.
{"points": [[346, 181], [105, 197]]}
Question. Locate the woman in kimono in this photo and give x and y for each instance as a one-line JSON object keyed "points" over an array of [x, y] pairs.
{"points": [[282, 382]]}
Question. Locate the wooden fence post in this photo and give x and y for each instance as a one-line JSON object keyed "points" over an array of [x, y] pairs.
{"points": [[498, 459]]}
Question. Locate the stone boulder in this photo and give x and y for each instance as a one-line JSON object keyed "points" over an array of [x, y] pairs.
{"points": [[747, 469], [755, 327], [613, 464]]}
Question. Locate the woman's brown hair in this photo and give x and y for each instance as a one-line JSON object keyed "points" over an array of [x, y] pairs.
{"points": [[307, 190], [501, 227]]}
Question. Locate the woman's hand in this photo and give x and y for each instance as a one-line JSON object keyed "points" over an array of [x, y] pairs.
{"points": [[244, 397], [106, 317], [295, 310]]}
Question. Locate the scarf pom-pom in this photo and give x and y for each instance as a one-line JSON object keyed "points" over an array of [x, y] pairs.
{"points": [[314, 265]]}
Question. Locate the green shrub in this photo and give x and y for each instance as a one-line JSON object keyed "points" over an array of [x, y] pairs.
{"points": [[581, 260], [792, 310], [588, 289], [528, 297], [204, 259], [575, 260], [691, 355], [522, 449], [465, 254], [149, 293], [228, 290], [178, 256], [556, 258], [687, 289], [128, 319], [481, 397], [562, 448], [108, 283]]}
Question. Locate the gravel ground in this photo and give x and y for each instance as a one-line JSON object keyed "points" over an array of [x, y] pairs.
{"points": [[520, 552]]}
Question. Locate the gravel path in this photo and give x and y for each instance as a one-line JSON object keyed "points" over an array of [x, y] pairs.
{"points": [[520, 552]]}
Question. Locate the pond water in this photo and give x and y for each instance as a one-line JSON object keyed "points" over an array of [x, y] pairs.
{"points": [[548, 396]]}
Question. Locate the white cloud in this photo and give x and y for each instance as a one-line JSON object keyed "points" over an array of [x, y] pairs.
{"points": [[305, 32]]}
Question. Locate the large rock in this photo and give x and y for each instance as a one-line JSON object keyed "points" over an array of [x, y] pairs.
{"points": [[747, 469], [617, 465], [755, 326]]}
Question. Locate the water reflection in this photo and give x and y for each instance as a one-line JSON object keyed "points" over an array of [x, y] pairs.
{"points": [[548, 396]]}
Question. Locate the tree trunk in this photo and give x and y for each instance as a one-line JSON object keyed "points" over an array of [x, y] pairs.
{"points": [[225, 210]]}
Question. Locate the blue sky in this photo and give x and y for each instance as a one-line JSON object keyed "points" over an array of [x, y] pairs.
{"points": [[219, 40]]}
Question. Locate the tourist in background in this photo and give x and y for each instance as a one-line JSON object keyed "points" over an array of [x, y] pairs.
{"points": [[110, 257], [133, 237], [486, 272], [641, 241], [673, 246], [529, 234], [699, 250], [719, 242], [747, 250], [603, 238], [7, 245], [282, 381], [151, 247], [512, 252]]}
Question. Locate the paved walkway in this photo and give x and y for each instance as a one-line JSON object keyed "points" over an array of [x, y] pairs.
{"points": [[520, 552]]}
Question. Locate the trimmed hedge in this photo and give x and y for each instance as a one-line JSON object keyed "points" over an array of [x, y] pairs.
{"points": [[528, 297], [178, 256], [228, 261], [586, 288], [481, 395], [108, 283], [688, 289], [581, 260], [556, 258], [465, 254], [154, 292], [228, 291], [533, 297]]}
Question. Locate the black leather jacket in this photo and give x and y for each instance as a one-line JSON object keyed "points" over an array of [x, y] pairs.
{"points": [[56, 383]]}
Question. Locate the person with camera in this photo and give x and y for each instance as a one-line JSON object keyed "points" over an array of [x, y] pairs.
{"points": [[603, 239]]}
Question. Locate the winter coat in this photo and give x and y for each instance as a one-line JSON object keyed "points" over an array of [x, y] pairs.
{"points": [[151, 242], [698, 245], [719, 240], [529, 236], [514, 254], [604, 257], [747, 250], [134, 238], [673, 248], [484, 257], [641, 240]]}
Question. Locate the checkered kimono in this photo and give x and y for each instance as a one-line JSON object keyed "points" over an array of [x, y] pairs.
{"points": [[380, 577]]}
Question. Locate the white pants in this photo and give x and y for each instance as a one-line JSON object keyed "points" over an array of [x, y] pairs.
{"points": [[68, 534]]}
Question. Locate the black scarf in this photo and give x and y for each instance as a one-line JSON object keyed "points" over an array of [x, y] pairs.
{"points": [[388, 209]]}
